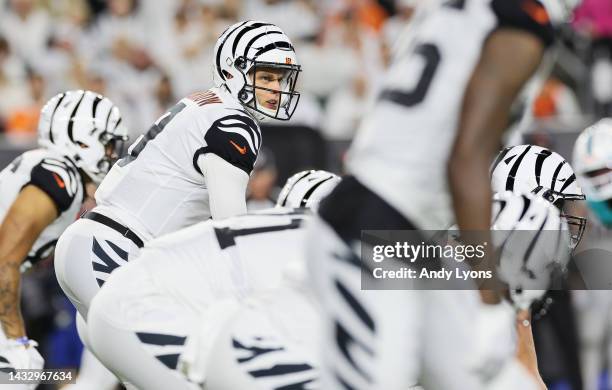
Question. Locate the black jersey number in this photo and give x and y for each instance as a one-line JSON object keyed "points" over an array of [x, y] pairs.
{"points": [[431, 54], [153, 132], [227, 236]]}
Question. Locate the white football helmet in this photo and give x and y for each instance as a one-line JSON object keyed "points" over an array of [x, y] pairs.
{"points": [[307, 189], [529, 168], [241, 51], [533, 242], [86, 127], [593, 164]]}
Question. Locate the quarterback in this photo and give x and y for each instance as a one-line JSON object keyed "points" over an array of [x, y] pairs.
{"points": [[191, 165]]}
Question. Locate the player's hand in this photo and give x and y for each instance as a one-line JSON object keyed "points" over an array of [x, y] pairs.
{"points": [[22, 354], [495, 339]]}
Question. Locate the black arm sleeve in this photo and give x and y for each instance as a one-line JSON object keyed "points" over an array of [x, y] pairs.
{"points": [[527, 15], [57, 181], [224, 140]]}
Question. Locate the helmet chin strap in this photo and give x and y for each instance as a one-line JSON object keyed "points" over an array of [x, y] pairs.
{"points": [[250, 105]]}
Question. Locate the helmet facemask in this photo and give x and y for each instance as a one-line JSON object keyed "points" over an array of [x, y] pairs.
{"points": [[96, 158], [562, 201], [114, 149], [255, 74]]}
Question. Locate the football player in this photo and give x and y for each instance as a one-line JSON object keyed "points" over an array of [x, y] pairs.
{"points": [[41, 192], [537, 170], [420, 161], [532, 168], [155, 319], [592, 160], [192, 164], [278, 328]]}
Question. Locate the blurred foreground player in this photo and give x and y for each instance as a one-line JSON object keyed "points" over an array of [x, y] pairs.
{"points": [[278, 329], [420, 162], [154, 322]]}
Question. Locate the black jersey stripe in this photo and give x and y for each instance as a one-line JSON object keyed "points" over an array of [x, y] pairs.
{"points": [[280, 369], [243, 122]]}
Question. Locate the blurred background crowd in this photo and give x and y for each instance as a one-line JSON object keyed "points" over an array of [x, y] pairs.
{"points": [[147, 54]]}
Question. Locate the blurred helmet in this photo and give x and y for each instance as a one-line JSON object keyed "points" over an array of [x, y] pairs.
{"points": [[534, 169], [248, 47], [307, 189], [86, 127], [593, 164], [532, 239]]}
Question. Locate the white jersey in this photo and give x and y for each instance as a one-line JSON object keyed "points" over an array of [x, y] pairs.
{"points": [[409, 133], [227, 259], [58, 177], [159, 188]]}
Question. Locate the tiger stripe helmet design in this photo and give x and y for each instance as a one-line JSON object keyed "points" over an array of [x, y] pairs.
{"points": [[86, 127], [534, 169], [533, 243], [250, 45], [307, 189]]}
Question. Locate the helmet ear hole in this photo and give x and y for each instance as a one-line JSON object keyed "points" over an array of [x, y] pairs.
{"points": [[240, 63]]}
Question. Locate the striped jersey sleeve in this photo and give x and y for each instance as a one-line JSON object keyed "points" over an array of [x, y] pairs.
{"points": [[236, 138], [57, 179]]}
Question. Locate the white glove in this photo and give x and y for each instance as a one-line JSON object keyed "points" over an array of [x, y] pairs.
{"points": [[495, 341], [22, 354]]}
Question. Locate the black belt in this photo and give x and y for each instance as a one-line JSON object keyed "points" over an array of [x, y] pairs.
{"points": [[104, 220]]}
